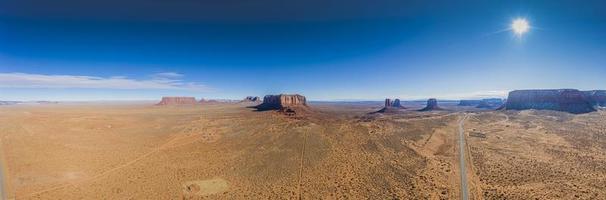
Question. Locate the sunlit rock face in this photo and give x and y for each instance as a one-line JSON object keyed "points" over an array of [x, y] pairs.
{"points": [[178, 101], [282, 101], [566, 100]]}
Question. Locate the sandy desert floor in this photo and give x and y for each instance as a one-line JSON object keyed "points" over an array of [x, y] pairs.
{"points": [[229, 151], [538, 155]]}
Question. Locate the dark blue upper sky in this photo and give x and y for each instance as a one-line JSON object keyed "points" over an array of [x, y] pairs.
{"points": [[339, 49]]}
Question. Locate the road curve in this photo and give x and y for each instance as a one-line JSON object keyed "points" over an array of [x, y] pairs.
{"points": [[464, 190]]}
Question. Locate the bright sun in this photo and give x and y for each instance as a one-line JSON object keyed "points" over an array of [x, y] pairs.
{"points": [[520, 26]]}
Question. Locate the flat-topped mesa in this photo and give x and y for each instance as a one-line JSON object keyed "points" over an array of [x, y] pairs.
{"points": [[566, 100], [282, 102], [597, 97], [432, 104], [178, 101]]}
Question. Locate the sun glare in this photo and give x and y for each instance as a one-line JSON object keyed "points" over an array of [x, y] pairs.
{"points": [[520, 26]]}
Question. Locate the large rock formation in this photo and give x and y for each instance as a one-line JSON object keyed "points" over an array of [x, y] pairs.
{"points": [[289, 104], [397, 104], [566, 100], [178, 101], [391, 106], [432, 104], [388, 103], [597, 97]]}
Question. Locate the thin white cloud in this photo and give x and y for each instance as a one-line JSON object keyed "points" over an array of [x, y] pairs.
{"points": [[167, 75], [165, 80]]}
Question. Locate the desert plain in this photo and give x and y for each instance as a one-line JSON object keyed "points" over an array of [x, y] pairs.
{"points": [[338, 151]]}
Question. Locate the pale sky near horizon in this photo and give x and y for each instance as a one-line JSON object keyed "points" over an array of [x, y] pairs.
{"points": [[323, 49]]}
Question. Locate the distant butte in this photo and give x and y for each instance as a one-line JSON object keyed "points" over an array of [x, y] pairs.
{"points": [[432, 104], [178, 101], [208, 101], [391, 106], [288, 104]]}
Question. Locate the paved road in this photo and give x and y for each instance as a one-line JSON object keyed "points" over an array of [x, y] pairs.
{"points": [[464, 190], [2, 191]]}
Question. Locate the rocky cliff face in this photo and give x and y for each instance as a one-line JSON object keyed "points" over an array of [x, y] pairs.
{"points": [[178, 101], [566, 100], [432, 104], [597, 97], [388, 103], [282, 101], [397, 104]]}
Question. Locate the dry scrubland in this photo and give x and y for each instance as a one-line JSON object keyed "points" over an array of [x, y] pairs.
{"points": [[229, 151], [225, 151], [539, 154]]}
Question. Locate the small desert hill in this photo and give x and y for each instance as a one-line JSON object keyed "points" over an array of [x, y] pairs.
{"points": [[565, 100], [432, 104], [289, 104], [178, 101]]}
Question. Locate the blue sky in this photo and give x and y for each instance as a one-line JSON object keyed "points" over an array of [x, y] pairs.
{"points": [[326, 50]]}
